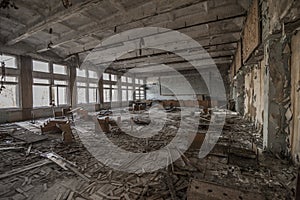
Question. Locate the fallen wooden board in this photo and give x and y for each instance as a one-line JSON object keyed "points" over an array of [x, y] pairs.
{"points": [[65, 164], [25, 168], [28, 136], [11, 148], [199, 190]]}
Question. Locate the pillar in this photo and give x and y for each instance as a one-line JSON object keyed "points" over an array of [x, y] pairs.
{"points": [[26, 82], [276, 98]]}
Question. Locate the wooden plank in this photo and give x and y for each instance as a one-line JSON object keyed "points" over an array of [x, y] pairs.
{"points": [[252, 33], [25, 168], [199, 190], [28, 136]]}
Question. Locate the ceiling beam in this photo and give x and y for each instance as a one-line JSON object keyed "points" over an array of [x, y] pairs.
{"points": [[205, 41], [116, 21], [24, 49], [178, 66], [173, 57], [59, 16]]}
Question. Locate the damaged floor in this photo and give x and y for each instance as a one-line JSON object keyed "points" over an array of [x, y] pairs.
{"points": [[235, 169]]}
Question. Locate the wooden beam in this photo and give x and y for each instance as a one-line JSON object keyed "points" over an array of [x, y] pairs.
{"points": [[59, 16]]}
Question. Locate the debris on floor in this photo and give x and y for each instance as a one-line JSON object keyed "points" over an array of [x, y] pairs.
{"points": [[50, 168]]}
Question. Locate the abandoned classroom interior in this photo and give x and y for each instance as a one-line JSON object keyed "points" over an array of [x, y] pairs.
{"points": [[149, 99]]}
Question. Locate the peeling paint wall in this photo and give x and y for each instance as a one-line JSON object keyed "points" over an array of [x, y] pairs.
{"points": [[277, 96], [295, 98], [240, 92], [254, 95]]}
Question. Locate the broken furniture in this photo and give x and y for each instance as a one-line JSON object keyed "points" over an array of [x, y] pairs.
{"points": [[51, 125], [67, 135], [68, 113], [141, 120], [106, 123], [105, 113], [138, 105]]}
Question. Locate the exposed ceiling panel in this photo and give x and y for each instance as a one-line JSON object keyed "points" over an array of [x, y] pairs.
{"points": [[215, 24]]}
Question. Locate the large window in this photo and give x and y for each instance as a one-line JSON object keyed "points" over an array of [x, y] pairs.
{"points": [[41, 92], [59, 92], [130, 93], [139, 89], [128, 87], [114, 93], [9, 95], [106, 93], [52, 87], [124, 93], [93, 91], [87, 86]]}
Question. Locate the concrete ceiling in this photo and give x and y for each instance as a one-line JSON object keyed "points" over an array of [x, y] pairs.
{"points": [[215, 24]]}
